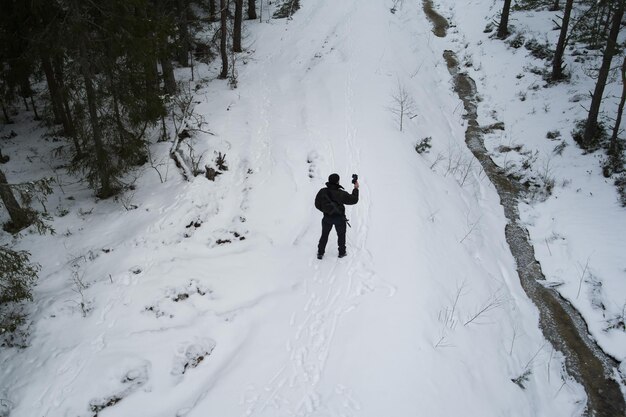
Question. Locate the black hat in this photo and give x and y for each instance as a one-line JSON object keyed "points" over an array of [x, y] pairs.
{"points": [[333, 178]]}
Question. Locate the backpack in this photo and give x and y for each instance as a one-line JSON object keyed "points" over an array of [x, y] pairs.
{"points": [[331, 207]]}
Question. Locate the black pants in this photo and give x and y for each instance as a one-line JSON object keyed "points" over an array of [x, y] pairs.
{"points": [[340, 226]]}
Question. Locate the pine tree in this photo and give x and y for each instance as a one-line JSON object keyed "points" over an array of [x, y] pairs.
{"points": [[615, 161], [17, 277], [237, 26], [20, 217], [107, 68], [589, 137], [503, 27], [223, 37], [184, 39], [214, 16], [251, 10], [557, 62]]}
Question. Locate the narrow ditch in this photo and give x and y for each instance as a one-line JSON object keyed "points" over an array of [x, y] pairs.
{"points": [[560, 323]]}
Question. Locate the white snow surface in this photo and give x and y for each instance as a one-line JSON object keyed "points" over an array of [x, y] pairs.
{"points": [[207, 299], [577, 232]]}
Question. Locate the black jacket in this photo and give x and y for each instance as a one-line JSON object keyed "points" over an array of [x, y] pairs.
{"points": [[338, 195]]}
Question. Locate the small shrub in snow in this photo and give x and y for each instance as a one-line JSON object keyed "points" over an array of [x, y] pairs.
{"points": [[539, 50], [522, 379], [596, 294], [618, 322], [459, 165], [211, 173], [403, 105], [193, 355], [553, 134], [98, 405], [424, 145], [532, 4], [79, 288], [541, 186], [494, 301], [194, 161], [220, 161], [505, 148], [517, 41], [600, 138], [130, 382], [126, 198], [530, 160], [558, 149], [182, 294], [62, 211]]}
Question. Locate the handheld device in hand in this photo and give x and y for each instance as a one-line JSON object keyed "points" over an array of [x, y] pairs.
{"points": [[354, 178]]}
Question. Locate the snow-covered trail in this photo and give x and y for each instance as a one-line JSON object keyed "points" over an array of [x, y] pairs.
{"points": [[364, 335], [310, 103], [425, 316]]}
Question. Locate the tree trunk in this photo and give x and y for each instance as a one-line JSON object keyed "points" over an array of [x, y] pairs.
{"points": [[32, 103], [557, 63], [151, 76], [53, 88], [59, 77], [101, 163], [591, 125], [251, 9], [615, 150], [121, 131], [597, 25], [237, 26], [223, 35], [169, 81], [608, 18], [214, 16], [503, 27], [25, 90], [61, 111], [19, 217], [7, 119], [183, 33]]}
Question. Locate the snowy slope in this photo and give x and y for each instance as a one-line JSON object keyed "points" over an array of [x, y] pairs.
{"points": [[577, 231], [177, 324]]}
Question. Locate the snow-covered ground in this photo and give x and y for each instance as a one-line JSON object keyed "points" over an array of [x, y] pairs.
{"points": [[578, 231], [206, 299]]}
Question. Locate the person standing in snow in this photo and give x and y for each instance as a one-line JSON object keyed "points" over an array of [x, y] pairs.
{"points": [[331, 201]]}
